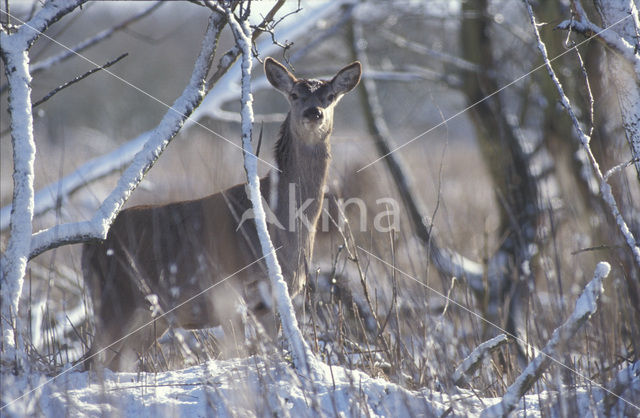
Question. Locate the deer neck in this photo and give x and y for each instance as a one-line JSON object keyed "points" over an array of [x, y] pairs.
{"points": [[303, 166]]}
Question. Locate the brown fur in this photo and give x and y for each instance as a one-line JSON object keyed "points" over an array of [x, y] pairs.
{"points": [[178, 250]]}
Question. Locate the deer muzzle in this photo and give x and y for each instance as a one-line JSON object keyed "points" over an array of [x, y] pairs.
{"points": [[313, 114]]}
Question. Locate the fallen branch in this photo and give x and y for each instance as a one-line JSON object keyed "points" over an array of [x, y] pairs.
{"points": [[586, 306], [474, 360]]}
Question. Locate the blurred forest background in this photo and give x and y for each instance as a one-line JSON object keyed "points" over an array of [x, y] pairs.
{"points": [[500, 207]]}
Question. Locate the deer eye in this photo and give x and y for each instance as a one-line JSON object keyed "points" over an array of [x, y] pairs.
{"points": [[331, 97], [294, 96]]}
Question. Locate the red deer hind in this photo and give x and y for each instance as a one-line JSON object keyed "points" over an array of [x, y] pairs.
{"points": [[172, 252]]}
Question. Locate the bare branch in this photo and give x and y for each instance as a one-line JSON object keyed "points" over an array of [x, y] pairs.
{"points": [[87, 43], [47, 63], [459, 63], [77, 79], [445, 260]]}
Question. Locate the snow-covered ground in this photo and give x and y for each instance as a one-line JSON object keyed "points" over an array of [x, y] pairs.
{"points": [[259, 386], [240, 387]]}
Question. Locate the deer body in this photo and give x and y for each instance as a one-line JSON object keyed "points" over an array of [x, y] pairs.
{"points": [[164, 255]]}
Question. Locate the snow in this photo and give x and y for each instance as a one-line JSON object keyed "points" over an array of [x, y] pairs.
{"points": [[244, 387], [257, 386], [14, 261]]}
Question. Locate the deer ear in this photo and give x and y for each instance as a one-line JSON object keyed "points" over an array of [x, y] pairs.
{"points": [[278, 75], [347, 78]]}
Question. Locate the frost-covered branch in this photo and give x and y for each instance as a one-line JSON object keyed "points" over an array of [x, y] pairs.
{"points": [[48, 197], [13, 263], [474, 360], [586, 306], [52, 11], [302, 356], [158, 140], [614, 19], [605, 188], [621, 22], [15, 56]]}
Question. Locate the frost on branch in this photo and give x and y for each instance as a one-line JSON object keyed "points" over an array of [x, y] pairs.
{"points": [[158, 139], [605, 189], [586, 306], [13, 263], [621, 21], [474, 360], [303, 358]]}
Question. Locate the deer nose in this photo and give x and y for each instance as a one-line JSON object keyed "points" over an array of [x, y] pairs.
{"points": [[313, 113]]}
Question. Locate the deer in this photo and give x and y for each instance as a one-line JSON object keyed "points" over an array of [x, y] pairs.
{"points": [[163, 255]]}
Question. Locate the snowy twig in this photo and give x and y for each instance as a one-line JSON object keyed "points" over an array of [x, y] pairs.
{"points": [[230, 57], [584, 26], [302, 356], [605, 188], [586, 306], [158, 140], [471, 363], [621, 37]]}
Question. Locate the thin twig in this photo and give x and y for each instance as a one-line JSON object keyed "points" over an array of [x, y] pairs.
{"points": [[77, 79], [87, 43]]}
